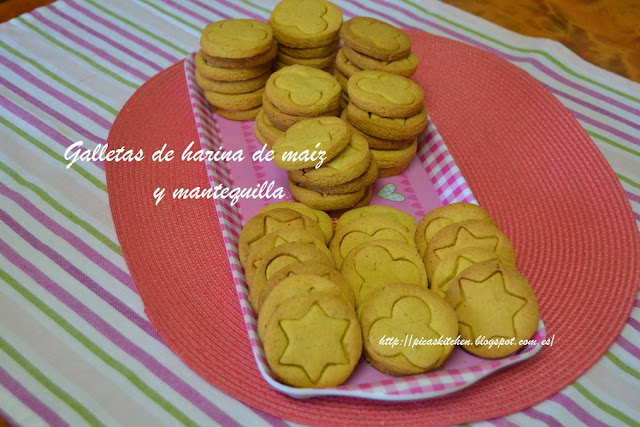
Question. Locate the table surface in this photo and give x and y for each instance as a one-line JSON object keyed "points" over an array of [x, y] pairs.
{"points": [[72, 328]]}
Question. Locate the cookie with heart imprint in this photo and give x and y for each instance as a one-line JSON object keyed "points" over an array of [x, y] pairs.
{"points": [[375, 38], [373, 265], [306, 23], [438, 218], [402, 218], [494, 301], [385, 94], [320, 217], [407, 329]]}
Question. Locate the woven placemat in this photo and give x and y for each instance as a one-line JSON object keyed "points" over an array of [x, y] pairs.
{"points": [[526, 159]]}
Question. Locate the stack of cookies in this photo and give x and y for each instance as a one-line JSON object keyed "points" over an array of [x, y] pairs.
{"points": [[330, 168], [471, 264], [292, 94], [370, 44], [308, 32], [234, 64], [296, 292], [387, 109]]}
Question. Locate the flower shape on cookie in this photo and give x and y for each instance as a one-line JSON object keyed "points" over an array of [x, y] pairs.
{"points": [[236, 38], [386, 94], [305, 23], [303, 91], [375, 38]]}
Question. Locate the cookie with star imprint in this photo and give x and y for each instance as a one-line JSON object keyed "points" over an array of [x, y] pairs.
{"points": [[320, 217]]}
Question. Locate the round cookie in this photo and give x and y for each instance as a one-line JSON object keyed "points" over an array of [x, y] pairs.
{"points": [[310, 52], [208, 71], [394, 158], [231, 87], [300, 146], [375, 38], [346, 67], [314, 269], [321, 62], [387, 127], [377, 143], [385, 94], [404, 67], [300, 284], [343, 83], [267, 222], [252, 61], [394, 314], [386, 172], [284, 121], [303, 91], [283, 255], [364, 180], [320, 217], [235, 101], [324, 201], [236, 38], [439, 218], [243, 115], [363, 230], [349, 164], [313, 341], [455, 263], [402, 218], [494, 301], [467, 234], [366, 199], [276, 238], [377, 263], [306, 23], [265, 131]]}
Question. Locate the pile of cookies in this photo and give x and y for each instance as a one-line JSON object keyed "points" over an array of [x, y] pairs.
{"points": [[308, 32], [387, 109], [292, 94], [234, 64], [330, 168], [370, 44], [471, 264]]}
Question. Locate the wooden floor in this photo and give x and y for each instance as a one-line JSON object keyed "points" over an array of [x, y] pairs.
{"points": [[604, 32]]}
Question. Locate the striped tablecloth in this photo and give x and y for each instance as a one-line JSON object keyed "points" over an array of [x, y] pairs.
{"points": [[75, 344]]}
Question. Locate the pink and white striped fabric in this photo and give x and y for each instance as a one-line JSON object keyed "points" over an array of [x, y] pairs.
{"points": [[75, 345]]}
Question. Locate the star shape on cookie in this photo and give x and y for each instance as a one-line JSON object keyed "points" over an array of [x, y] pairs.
{"points": [[315, 341], [491, 297], [466, 239]]}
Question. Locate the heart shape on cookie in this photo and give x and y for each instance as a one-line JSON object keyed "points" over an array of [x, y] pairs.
{"points": [[388, 192], [411, 317]]}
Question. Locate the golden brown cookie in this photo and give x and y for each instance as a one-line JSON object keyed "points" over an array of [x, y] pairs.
{"points": [[314, 269], [242, 115], [394, 158], [231, 87], [252, 61], [377, 263], [311, 52], [385, 94], [320, 217], [321, 62], [496, 308], [343, 83], [292, 286], [284, 121], [346, 67], [366, 199], [407, 329], [324, 201], [349, 164], [467, 234], [263, 246], [306, 23], [311, 143], [387, 127], [439, 218], [363, 230], [265, 131], [386, 172], [208, 71], [313, 341], [455, 263], [375, 38], [407, 221], [303, 91], [272, 220], [404, 67], [236, 38], [235, 101], [364, 180], [377, 143]]}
